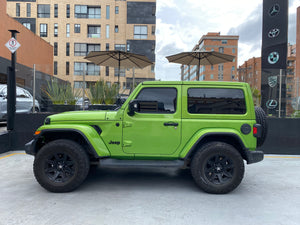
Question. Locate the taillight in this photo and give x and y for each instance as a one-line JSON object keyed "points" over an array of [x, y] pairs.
{"points": [[254, 130]]}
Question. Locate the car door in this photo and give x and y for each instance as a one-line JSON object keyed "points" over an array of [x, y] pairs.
{"points": [[156, 128], [23, 101]]}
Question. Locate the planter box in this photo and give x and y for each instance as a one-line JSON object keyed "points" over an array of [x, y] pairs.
{"points": [[61, 108], [102, 107]]}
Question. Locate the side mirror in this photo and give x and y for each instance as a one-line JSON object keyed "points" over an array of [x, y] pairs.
{"points": [[134, 106]]}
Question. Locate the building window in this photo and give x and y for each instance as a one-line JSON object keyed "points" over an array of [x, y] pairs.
{"points": [[224, 42], [43, 30], [17, 9], [67, 49], [107, 71], [108, 12], [68, 11], [27, 25], [78, 84], [84, 11], [120, 47], [67, 68], [122, 72], [116, 29], [233, 50], [77, 28], [221, 49], [117, 10], [55, 30], [220, 67], [140, 32], [153, 48], [153, 30], [220, 76], [232, 68], [93, 32], [91, 69], [55, 67], [107, 47], [212, 67], [152, 68], [107, 31], [211, 76], [153, 10], [43, 11], [28, 5], [68, 30], [55, 49], [55, 10], [82, 49]]}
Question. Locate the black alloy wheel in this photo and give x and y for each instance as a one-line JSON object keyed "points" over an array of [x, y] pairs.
{"points": [[59, 167], [219, 169]]}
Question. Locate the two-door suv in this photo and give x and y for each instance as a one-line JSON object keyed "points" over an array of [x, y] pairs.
{"points": [[209, 127]]}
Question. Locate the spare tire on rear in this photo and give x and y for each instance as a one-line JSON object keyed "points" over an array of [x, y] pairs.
{"points": [[261, 119]]}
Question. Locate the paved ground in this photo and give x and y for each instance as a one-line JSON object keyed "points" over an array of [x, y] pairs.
{"points": [[269, 194]]}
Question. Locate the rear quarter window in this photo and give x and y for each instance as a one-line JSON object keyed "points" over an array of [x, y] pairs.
{"points": [[216, 101]]}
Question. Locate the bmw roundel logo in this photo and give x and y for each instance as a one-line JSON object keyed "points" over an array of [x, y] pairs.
{"points": [[273, 57]]}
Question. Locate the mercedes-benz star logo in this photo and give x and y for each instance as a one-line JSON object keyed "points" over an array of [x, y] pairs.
{"points": [[275, 9], [273, 57], [273, 33]]}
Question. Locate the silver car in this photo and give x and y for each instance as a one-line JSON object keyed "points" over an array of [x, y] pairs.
{"points": [[24, 101]]}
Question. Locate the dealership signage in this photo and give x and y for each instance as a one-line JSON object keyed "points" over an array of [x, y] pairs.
{"points": [[274, 55]]}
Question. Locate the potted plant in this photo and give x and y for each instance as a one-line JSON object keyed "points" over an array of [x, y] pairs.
{"points": [[62, 96]]}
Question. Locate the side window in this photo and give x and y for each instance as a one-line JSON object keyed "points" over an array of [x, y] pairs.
{"points": [[21, 93], [216, 101], [157, 100]]}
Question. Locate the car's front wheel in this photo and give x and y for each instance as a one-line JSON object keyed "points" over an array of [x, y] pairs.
{"points": [[61, 166], [217, 168]]}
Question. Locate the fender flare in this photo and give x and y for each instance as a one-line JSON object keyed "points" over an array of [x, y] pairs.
{"points": [[201, 135], [96, 144]]}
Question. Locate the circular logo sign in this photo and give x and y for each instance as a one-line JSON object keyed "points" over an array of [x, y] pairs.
{"points": [[274, 10], [273, 57], [273, 33], [271, 104]]}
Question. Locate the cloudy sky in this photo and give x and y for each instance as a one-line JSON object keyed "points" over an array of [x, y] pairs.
{"points": [[181, 23]]}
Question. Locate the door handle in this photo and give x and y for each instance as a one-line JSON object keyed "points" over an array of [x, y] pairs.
{"points": [[167, 124]]}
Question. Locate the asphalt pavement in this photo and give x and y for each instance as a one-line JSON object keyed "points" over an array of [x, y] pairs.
{"points": [[269, 194]]}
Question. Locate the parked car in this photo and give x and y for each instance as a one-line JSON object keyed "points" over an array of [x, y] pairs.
{"points": [[24, 101]]}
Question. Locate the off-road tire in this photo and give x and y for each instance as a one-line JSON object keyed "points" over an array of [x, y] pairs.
{"points": [[217, 168], [61, 166], [261, 119]]}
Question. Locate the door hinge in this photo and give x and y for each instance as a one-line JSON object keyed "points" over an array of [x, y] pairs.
{"points": [[127, 143], [127, 124]]}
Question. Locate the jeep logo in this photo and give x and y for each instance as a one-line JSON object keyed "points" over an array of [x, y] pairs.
{"points": [[114, 143]]}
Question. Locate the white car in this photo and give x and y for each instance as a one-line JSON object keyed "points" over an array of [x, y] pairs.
{"points": [[24, 101]]}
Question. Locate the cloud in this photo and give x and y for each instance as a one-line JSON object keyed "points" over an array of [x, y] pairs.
{"points": [[181, 24]]}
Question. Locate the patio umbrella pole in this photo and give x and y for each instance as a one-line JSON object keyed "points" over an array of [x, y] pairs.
{"points": [[198, 70], [119, 75]]}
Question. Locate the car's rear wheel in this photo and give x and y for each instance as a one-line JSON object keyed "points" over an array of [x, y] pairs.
{"points": [[217, 168], [61, 166]]}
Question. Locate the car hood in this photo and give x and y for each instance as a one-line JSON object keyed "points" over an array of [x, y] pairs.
{"points": [[83, 116]]}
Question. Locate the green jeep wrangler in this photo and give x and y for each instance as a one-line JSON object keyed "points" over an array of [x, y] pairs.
{"points": [[209, 127]]}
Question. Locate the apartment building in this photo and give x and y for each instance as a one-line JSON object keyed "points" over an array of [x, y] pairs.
{"points": [[227, 44], [75, 28], [28, 54]]}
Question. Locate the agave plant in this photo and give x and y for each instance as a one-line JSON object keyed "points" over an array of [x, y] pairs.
{"points": [[61, 93], [111, 93], [96, 94]]}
